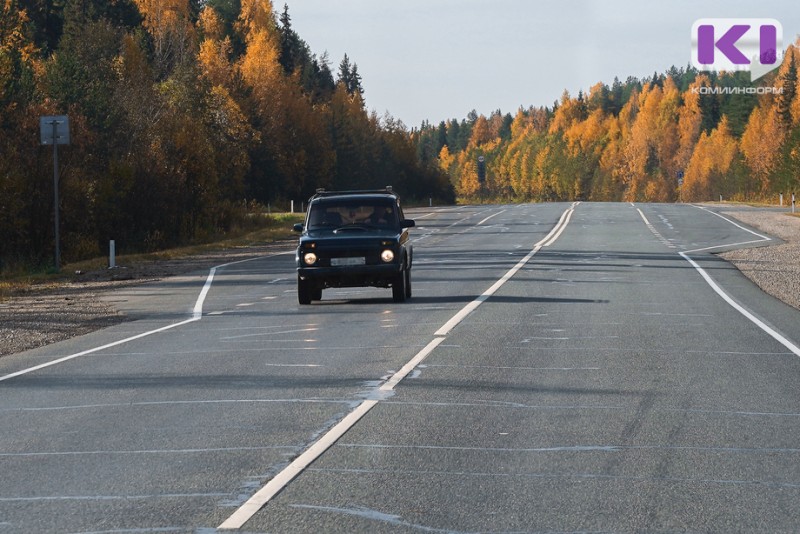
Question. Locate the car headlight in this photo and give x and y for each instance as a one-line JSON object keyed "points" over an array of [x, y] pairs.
{"points": [[310, 258], [387, 256]]}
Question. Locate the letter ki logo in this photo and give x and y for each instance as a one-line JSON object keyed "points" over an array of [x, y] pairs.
{"points": [[737, 44]]}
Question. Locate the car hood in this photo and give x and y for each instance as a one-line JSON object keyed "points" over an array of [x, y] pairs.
{"points": [[356, 234]]}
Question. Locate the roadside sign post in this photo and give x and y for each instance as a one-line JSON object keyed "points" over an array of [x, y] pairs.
{"points": [[54, 130], [112, 254]]}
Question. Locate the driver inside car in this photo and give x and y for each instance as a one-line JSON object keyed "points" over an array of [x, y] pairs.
{"points": [[380, 216]]}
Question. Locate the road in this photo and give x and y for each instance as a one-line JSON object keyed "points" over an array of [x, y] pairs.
{"points": [[560, 367]]}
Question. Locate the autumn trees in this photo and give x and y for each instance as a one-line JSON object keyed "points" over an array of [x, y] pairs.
{"points": [[183, 112], [633, 140]]}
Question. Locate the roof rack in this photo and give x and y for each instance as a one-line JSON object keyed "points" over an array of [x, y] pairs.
{"points": [[322, 192]]}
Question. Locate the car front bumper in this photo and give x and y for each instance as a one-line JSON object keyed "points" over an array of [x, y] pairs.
{"points": [[351, 276]]}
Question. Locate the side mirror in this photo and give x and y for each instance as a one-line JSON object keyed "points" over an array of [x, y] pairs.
{"points": [[407, 223], [298, 227]]}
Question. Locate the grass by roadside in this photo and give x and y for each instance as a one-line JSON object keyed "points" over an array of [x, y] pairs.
{"points": [[277, 227]]}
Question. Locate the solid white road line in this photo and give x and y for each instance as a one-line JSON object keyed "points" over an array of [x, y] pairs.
{"points": [[719, 291], [555, 233], [472, 306], [755, 320], [727, 298], [197, 311], [490, 216], [243, 514], [254, 504], [737, 225], [96, 349]]}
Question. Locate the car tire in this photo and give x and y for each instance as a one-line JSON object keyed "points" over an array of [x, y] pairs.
{"points": [[304, 291], [408, 283], [399, 287]]}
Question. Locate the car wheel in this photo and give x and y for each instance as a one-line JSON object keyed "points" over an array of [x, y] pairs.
{"points": [[316, 294], [408, 283], [304, 291], [399, 287]]}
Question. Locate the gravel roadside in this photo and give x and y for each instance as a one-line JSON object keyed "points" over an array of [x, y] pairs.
{"points": [[49, 313], [775, 269]]}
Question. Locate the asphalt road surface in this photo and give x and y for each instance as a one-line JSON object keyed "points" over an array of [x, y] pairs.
{"points": [[560, 368]]}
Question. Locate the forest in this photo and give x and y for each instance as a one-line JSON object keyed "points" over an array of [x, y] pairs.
{"points": [[186, 117], [679, 136]]}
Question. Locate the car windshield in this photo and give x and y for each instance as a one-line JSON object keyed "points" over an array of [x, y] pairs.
{"points": [[365, 214]]}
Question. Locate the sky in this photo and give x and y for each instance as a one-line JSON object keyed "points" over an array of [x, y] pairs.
{"points": [[434, 60]]}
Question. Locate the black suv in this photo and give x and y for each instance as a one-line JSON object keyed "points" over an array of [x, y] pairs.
{"points": [[354, 239]]}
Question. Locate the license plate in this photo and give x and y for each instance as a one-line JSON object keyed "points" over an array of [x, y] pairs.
{"points": [[339, 262]]}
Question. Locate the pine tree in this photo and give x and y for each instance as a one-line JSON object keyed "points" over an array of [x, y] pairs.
{"points": [[354, 86], [349, 77], [616, 97], [454, 136]]}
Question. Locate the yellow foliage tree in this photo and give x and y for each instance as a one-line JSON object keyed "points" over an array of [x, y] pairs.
{"points": [[520, 125], [167, 21], [667, 139], [690, 118], [609, 176], [585, 136], [13, 42], [637, 150], [260, 67], [481, 132], [211, 24], [761, 141], [568, 113], [445, 159], [469, 185], [162, 14], [649, 148], [796, 105], [256, 16], [214, 62], [710, 163], [12, 30]]}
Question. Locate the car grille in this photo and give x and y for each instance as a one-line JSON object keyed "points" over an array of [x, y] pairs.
{"points": [[371, 255]]}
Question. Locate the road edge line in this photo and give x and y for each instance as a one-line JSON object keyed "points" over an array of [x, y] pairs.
{"points": [[96, 349], [738, 307], [197, 314], [777, 336]]}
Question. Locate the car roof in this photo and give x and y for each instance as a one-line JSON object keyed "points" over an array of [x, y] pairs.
{"points": [[349, 197], [386, 192]]}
